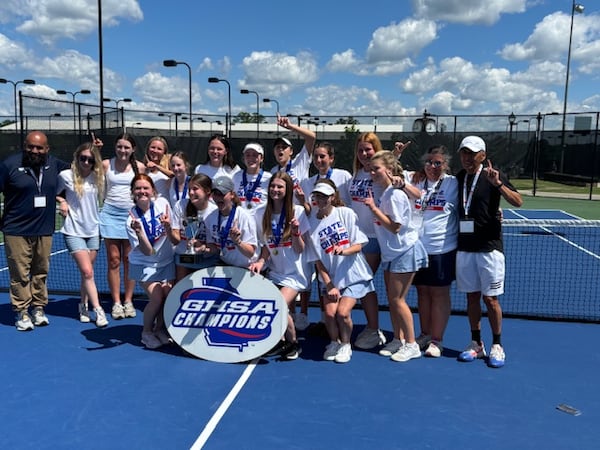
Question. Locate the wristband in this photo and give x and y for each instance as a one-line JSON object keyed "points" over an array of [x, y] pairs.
{"points": [[500, 185], [297, 234]]}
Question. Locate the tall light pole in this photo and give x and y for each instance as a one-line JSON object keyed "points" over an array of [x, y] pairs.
{"points": [[575, 8], [15, 83], [173, 63], [512, 119], [228, 121], [73, 94], [272, 100], [117, 101], [246, 91]]}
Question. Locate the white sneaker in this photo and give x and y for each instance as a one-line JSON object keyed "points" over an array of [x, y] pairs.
{"points": [[497, 356], [163, 337], [331, 350], [129, 310], [301, 321], [407, 352], [344, 353], [101, 320], [369, 338], [117, 311], [23, 321], [39, 318], [84, 314], [472, 352], [150, 340], [392, 347], [434, 350]]}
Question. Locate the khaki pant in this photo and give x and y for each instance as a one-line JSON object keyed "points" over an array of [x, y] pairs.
{"points": [[28, 261]]}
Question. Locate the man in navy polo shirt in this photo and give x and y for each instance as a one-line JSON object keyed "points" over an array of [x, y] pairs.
{"points": [[28, 181]]}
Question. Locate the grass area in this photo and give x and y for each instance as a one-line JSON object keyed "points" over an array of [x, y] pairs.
{"points": [[550, 195], [555, 188]]}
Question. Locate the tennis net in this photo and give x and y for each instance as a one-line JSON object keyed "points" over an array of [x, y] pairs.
{"points": [[552, 271]]}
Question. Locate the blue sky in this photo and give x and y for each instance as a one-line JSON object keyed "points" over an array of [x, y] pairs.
{"points": [[382, 57]]}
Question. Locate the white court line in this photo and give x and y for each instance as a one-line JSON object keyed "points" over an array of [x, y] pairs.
{"points": [[4, 269], [220, 412], [571, 243]]}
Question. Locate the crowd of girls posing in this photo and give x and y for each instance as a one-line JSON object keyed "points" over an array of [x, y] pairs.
{"points": [[162, 224]]}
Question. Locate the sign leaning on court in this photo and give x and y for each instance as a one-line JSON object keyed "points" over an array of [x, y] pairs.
{"points": [[225, 314]]}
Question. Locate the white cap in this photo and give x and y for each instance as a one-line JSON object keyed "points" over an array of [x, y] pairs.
{"points": [[254, 146], [473, 143], [324, 189]]}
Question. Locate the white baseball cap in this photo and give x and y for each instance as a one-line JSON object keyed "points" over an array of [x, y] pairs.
{"points": [[473, 143]]}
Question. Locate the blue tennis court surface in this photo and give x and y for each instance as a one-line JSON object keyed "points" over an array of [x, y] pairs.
{"points": [[72, 386]]}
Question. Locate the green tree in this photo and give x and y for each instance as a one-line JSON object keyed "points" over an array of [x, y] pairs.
{"points": [[245, 117]]}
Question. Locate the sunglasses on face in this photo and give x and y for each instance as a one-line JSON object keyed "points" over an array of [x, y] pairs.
{"points": [[87, 159], [436, 164]]}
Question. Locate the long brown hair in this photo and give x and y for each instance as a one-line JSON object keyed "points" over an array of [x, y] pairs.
{"points": [[288, 207], [205, 182]]}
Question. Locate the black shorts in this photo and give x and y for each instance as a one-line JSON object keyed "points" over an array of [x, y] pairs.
{"points": [[440, 272]]}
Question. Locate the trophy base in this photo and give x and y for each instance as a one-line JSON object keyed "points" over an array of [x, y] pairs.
{"points": [[189, 258]]}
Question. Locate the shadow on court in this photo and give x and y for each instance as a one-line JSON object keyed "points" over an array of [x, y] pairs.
{"points": [[59, 385]]}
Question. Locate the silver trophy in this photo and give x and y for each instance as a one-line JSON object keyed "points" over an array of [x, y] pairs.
{"points": [[191, 233]]}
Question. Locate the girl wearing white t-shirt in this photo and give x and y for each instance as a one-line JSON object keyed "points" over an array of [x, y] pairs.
{"points": [[219, 160], [252, 183], [235, 230], [157, 165], [280, 230], [178, 189], [402, 254], [298, 166], [83, 186], [323, 159], [151, 257], [437, 208], [193, 219], [361, 184], [336, 242]]}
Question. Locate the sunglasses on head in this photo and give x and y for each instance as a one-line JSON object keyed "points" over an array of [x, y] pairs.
{"points": [[87, 159]]}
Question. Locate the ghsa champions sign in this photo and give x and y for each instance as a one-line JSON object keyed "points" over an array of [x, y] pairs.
{"points": [[225, 314]]}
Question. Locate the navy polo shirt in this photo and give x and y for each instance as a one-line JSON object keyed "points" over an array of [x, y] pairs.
{"points": [[20, 186]]}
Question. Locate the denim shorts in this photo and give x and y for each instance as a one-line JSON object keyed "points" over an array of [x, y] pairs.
{"points": [[410, 261], [77, 244], [356, 290]]}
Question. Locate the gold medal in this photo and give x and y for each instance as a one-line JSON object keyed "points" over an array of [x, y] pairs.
{"points": [[276, 252], [249, 206]]}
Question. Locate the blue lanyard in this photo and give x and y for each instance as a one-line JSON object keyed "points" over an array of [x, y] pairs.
{"points": [[277, 230], [149, 233], [225, 231], [185, 187], [249, 193]]}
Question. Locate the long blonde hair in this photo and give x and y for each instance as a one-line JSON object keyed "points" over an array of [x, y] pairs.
{"points": [[97, 170]]}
